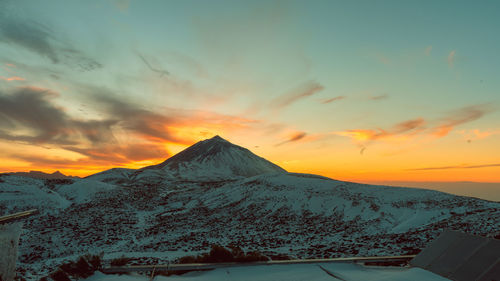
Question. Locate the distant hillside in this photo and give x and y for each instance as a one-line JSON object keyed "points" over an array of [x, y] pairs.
{"points": [[41, 175]]}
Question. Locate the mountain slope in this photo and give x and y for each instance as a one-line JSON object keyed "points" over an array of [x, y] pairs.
{"points": [[217, 192], [213, 159], [115, 175], [216, 158], [301, 215]]}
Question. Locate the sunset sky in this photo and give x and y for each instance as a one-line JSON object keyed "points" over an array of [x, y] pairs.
{"points": [[354, 90]]}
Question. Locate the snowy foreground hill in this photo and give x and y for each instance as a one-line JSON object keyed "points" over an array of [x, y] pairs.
{"points": [[217, 192]]}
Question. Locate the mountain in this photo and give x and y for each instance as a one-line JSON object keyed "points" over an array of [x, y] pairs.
{"points": [[213, 159], [41, 175], [114, 175], [216, 158], [158, 213]]}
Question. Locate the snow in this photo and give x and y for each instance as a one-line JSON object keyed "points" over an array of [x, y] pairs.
{"points": [[111, 175], [215, 159], [228, 195], [22, 193], [322, 196], [306, 272], [83, 190]]}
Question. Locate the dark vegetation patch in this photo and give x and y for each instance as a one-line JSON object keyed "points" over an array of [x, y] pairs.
{"points": [[121, 261], [84, 267], [220, 254]]}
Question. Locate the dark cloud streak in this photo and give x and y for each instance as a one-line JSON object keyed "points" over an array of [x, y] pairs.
{"points": [[326, 101], [379, 97], [297, 136], [157, 70], [147, 123], [30, 111], [456, 167], [29, 115], [308, 89], [42, 40]]}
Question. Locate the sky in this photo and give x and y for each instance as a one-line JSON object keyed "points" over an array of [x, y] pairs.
{"points": [[364, 91]]}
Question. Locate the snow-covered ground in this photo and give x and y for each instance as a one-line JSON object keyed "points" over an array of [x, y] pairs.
{"points": [[155, 214], [306, 272]]}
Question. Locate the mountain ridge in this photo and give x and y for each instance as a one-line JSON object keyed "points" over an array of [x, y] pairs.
{"points": [[41, 175]]}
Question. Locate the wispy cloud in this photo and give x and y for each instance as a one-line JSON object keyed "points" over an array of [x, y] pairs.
{"points": [[99, 157], [30, 110], [456, 167], [363, 135], [133, 118], [294, 137], [44, 41], [410, 129], [326, 101], [379, 97], [305, 90], [451, 58], [477, 134], [458, 117], [161, 71]]}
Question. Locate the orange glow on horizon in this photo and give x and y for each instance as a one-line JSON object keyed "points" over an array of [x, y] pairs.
{"points": [[377, 163]]}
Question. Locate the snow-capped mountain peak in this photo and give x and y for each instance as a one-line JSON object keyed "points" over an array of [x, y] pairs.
{"points": [[216, 158]]}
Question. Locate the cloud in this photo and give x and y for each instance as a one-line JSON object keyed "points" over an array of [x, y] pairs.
{"points": [[451, 58], [363, 135], [379, 97], [148, 124], [162, 72], [326, 101], [458, 117], [167, 125], [362, 150], [428, 50], [123, 154], [42, 40], [477, 134], [305, 90], [409, 125], [28, 115], [295, 137], [31, 35], [416, 127], [456, 167], [12, 78], [100, 157]]}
